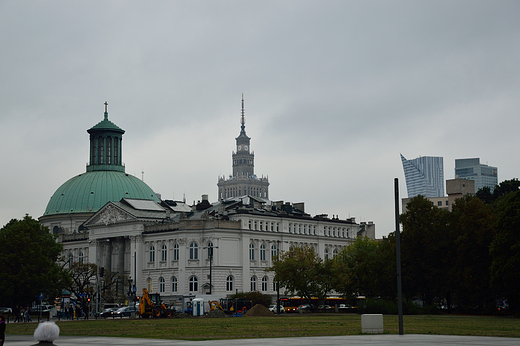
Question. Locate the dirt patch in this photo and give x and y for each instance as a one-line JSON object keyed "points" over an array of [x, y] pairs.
{"points": [[217, 313], [259, 311]]}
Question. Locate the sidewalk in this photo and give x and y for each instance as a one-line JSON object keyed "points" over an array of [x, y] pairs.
{"points": [[381, 339]]}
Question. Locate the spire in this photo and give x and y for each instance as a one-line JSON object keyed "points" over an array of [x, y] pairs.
{"points": [[242, 121], [106, 110]]}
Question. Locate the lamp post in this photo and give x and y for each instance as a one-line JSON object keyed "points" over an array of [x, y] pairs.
{"points": [[129, 286], [277, 284], [210, 248]]}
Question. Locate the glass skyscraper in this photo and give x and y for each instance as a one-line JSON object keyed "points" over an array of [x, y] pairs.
{"points": [[483, 175], [424, 176]]}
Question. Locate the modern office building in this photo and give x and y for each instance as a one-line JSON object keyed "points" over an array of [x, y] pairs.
{"points": [[472, 169], [424, 176]]}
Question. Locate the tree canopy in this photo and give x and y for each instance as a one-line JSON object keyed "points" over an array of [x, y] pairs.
{"points": [[505, 250], [29, 263], [365, 267], [302, 272]]}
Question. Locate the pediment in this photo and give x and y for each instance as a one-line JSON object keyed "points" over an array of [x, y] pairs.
{"points": [[110, 214]]}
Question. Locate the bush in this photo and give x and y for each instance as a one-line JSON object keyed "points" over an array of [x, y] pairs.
{"points": [[389, 307], [256, 297]]}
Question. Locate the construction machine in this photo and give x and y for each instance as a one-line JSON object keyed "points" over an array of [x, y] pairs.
{"points": [[215, 305], [151, 305], [235, 306]]}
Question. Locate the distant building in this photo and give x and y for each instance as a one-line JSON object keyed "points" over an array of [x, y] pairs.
{"points": [[424, 176], [455, 188], [472, 169], [107, 217], [243, 181]]}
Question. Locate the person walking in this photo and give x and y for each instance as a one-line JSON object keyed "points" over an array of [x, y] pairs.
{"points": [[85, 311], [27, 315], [16, 313], [2, 330]]}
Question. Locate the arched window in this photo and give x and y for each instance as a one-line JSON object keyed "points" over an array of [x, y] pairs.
{"points": [[229, 283], [176, 252], [71, 259], [262, 252], [265, 281], [164, 253], [80, 257], [251, 251], [149, 284], [152, 254], [334, 252], [194, 284], [326, 254], [162, 285], [194, 251], [253, 283], [274, 252], [175, 286]]}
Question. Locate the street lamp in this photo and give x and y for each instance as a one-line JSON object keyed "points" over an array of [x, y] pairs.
{"points": [[277, 283], [129, 286], [210, 248]]}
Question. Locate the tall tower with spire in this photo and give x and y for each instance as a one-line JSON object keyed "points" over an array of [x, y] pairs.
{"points": [[243, 181]]}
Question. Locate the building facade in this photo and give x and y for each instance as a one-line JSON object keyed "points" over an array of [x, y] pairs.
{"points": [[455, 188], [424, 176], [210, 249], [104, 180], [482, 175], [243, 181]]}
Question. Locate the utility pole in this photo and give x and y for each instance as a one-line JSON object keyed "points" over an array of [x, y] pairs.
{"points": [[398, 258]]}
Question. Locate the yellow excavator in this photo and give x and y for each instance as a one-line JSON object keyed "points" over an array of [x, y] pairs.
{"points": [[214, 305], [151, 305]]}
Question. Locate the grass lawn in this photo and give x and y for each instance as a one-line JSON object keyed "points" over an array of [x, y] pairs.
{"points": [[201, 328]]}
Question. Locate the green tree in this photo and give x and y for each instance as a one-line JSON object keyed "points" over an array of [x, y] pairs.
{"points": [[472, 227], [485, 195], [29, 262], [83, 277], [302, 272], [500, 190], [424, 242], [255, 296], [505, 250], [366, 267]]}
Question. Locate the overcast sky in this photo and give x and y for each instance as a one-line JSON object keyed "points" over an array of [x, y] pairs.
{"points": [[334, 92]]}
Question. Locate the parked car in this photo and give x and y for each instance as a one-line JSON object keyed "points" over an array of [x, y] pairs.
{"points": [[5, 310], [273, 308], [45, 309], [325, 308], [345, 308], [125, 311], [109, 312], [304, 308]]}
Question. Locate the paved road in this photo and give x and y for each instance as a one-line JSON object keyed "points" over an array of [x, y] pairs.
{"points": [[411, 339]]}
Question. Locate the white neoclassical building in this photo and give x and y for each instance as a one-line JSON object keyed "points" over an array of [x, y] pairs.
{"points": [[110, 218], [166, 247]]}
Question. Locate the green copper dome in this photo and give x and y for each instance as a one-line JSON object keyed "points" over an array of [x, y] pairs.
{"points": [[88, 192]]}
